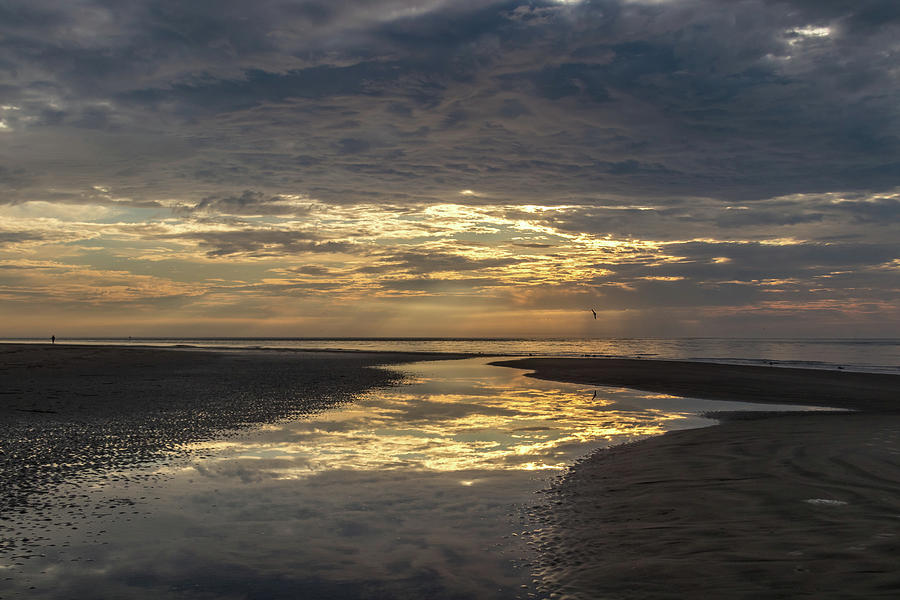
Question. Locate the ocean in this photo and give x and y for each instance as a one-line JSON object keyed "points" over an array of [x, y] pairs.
{"points": [[880, 355]]}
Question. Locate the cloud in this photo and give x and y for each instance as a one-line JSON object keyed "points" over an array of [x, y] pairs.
{"points": [[871, 212], [257, 242], [249, 203], [437, 262], [439, 285], [315, 270], [612, 146], [639, 98], [17, 237]]}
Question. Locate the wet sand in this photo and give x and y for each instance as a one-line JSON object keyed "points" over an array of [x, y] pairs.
{"points": [[72, 410], [789, 506], [870, 392]]}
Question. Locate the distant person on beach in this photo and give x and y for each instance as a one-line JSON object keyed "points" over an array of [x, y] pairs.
{"points": [[52, 339]]}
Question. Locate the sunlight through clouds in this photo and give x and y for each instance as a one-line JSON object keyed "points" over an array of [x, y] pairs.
{"points": [[353, 167]]}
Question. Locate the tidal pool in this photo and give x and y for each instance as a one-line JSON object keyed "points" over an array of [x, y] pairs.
{"points": [[417, 491]]}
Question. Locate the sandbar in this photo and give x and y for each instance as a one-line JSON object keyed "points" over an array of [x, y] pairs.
{"points": [[870, 392], [790, 506]]}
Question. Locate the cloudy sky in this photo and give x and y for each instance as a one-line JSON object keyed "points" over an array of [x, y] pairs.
{"points": [[466, 167]]}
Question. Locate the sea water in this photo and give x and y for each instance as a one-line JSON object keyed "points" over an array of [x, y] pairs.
{"points": [[867, 355]]}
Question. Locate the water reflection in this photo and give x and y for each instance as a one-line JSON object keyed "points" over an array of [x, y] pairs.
{"points": [[412, 492], [454, 416]]}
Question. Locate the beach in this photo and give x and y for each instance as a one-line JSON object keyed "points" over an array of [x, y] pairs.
{"points": [[773, 506]]}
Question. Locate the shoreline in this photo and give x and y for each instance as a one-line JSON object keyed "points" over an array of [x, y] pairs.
{"points": [[769, 506], [252, 349]]}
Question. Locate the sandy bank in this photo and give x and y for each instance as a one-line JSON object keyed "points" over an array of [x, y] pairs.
{"points": [[789, 507], [870, 392], [68, 410]]}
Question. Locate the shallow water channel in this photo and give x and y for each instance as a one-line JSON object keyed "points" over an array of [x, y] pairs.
{"points": [[417, 491]]}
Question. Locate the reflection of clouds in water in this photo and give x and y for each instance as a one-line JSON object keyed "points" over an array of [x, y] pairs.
{"points": [[467, 416], [343, 534], [249, 470]]}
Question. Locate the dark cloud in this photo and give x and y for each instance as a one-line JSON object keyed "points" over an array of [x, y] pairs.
{"points": [[257, 87], [812, 218], [249, 203], [17, 237], [877, 210], [513, 108], [353, 146], [435, 262], [258, 242], [750, 262], [747, 218], [775, 257], [532, 245], [571, 79], [315, 270], [727, 100]]}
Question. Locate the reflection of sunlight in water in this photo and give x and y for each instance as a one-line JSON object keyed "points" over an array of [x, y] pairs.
{"points": [[454, 416]]}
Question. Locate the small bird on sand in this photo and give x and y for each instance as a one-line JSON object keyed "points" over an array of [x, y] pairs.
{"points": [[595, 313]]}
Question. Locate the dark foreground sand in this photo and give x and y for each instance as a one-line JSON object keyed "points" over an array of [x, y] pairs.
{"points": [[796, 506], [72, 410]]}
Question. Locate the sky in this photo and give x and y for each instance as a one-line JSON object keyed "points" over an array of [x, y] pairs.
{"points": [[450, 168]]}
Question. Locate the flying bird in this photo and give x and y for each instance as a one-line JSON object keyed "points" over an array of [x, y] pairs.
{"points": [[595, 313]]}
